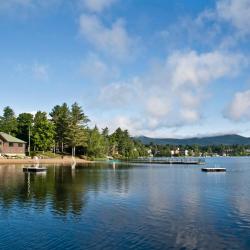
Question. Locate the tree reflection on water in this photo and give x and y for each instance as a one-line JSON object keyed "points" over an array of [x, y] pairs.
{"points": [[64, 190]]}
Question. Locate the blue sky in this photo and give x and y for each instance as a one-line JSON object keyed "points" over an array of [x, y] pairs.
{"points": [[158, 68]]}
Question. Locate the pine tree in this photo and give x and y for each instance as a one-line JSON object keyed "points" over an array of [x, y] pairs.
{"points": [[43, 132], [24, 123], [106, 141], [61, 119], [8, 122], [77, 128]]}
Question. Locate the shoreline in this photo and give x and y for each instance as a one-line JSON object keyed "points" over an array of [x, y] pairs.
{"points": [[43, 161]]}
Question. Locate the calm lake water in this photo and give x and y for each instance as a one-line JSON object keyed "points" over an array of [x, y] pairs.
{"points": [[126, 207]]}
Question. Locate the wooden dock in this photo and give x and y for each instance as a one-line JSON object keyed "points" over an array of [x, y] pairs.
{"points": [[176, 160], [34, 169], [214, 169]]}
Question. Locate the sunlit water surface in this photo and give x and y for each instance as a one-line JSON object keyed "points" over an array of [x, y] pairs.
{"points": [[108, 206]]}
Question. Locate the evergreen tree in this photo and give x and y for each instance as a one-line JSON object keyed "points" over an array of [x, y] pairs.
{"points": [[196, 150], [209, 151], [61, 119], [122, 145], [8, 122], [95, 146], [106, 142], [43, 132], [24, 124], [77, 128], [68, 128]]}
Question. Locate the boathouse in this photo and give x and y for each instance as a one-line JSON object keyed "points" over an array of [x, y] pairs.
{"points": [[11, 146]]}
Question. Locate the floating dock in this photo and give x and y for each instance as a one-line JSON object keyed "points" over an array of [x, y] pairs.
{"points": [[185, 161], [34, 169], [214, 169]]}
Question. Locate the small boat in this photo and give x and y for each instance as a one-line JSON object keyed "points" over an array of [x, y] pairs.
{"points": [[214, 169], [34, 169]]}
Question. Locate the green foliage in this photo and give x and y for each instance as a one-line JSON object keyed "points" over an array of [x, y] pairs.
{"points": [[96, 143], [105, 135], [163, 151], [118, 145], [46, 155], [77, 128], [67, 130], [123, 146], [8, 122], [61, 118], [77, 115], [43, 132], [24, 124]]}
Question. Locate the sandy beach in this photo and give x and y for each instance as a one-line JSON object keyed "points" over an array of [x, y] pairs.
{"points": [[65, 160]]}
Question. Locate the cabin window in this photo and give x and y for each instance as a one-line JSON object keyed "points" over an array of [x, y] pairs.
{"points": [[11, 144], [20, 145]]}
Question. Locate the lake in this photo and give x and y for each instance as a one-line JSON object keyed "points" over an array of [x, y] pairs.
{"points": [[112, 206]]}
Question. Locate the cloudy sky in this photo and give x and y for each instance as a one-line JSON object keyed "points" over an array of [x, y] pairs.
{"points": [[175, 68]]}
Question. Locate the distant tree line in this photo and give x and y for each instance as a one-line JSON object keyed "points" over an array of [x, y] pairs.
{"points": [[65, 130], [198, 150]]}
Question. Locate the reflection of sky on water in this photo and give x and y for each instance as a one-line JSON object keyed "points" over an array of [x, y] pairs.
{"points": [[145, 207]]}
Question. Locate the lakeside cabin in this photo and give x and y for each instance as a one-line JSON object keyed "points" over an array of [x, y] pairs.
{"points": [[11, 146]]}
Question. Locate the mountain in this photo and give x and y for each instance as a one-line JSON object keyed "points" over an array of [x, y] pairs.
{"points": [[202, 141]]}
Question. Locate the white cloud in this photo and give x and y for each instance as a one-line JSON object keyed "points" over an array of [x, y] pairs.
{"points": [[173, 94], [40, 72], [113, 41], [237, 12], [96, 70], [157, 108], [239, 108], [14, 5], [223, 26], [97, 5], [189, 99], [181, 85], [119, 94], [189, 115], [35, 70], [194, 69]]}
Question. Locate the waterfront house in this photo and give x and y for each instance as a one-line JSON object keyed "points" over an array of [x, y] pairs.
{"points": [[150, 153], [184, 152], [11, 146], [175, 152]]}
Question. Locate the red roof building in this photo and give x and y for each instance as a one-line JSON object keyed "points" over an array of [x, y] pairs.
{"points": [[11, 146]]}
